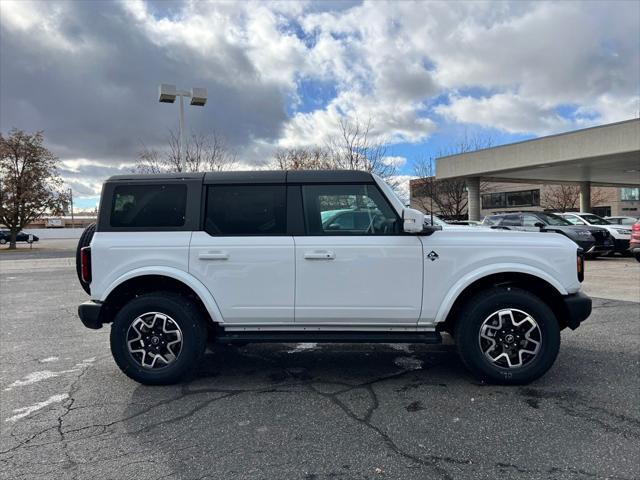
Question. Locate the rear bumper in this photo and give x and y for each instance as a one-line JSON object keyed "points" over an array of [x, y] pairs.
{"points": [[90, 314], [577, 309]]}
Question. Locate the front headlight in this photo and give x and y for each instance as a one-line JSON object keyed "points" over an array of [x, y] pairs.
{"points": [[623, 232], [583, 233]]}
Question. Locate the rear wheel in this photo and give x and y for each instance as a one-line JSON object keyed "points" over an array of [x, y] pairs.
{"points": [[158, 338], [507, 335], [84, 241]]}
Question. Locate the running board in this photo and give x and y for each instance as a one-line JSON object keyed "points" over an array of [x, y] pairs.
{"points": [[328, 337]]}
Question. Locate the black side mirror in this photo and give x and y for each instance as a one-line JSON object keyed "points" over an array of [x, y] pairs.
{"points": [[430, 229], [540, 225]]}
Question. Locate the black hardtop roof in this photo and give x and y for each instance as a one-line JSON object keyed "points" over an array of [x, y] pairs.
{"points": [[255, 176]]}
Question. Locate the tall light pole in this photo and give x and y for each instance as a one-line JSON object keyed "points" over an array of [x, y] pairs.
{"points": [[167, 94]]}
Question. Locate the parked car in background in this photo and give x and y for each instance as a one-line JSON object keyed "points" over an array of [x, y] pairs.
{"points": [[5, 237], [634, 243], [469, 223], [621, 233], [621, 220], [593, 240]]}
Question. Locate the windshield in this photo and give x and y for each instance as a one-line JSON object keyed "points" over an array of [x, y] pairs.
{"points": [[552, 219], [436, 220], [595, 220]]}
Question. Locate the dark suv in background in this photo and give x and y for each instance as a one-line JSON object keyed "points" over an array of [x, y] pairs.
{"points": [[593, 240]]}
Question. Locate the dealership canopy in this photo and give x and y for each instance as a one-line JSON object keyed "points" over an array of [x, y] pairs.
{"points": [[606, 155]]}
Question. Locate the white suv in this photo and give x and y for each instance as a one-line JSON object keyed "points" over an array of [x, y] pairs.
{"points": [[180, 260], [621, 233]]}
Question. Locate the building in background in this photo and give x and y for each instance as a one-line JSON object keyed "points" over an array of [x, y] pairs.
{"points": [[600, 165], [515, 196]]}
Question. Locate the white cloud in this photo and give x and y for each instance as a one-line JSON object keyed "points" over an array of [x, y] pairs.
{"points": [[86, 73], [506, 111], [395, 161]]}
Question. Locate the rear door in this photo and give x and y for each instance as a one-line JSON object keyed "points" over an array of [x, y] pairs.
{"points": [[244, 255], [354, 266]]}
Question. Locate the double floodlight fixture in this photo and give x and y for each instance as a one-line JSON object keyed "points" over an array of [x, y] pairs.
{"points": [[167, 94]]}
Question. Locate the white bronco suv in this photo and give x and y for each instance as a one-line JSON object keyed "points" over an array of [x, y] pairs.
{"points": [[179, 260]]}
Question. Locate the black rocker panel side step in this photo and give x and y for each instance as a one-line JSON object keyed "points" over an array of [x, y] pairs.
{"points": [[328, 337]]}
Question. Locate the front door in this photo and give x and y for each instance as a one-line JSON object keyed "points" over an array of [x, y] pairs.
{"points": [[244, 256], [354, 266]]}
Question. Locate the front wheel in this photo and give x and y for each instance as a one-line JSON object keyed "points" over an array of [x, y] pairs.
{"points": [[507, 335], [158, 338]]}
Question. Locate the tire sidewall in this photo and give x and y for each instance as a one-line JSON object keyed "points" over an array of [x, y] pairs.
{"points": [[467, 336], [186, 317]]}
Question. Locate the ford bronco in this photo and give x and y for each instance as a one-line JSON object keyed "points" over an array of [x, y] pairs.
{"points": [[179, 260]]}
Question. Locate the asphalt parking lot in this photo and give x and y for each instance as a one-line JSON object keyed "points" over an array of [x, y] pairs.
{"points": [[308, 411]]}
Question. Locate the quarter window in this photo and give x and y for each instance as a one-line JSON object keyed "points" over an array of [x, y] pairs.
{"points": [[148, 206], [246, 210], [347, 210]]}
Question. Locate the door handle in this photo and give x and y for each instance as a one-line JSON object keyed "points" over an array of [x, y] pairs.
{"points": [[214, 256], [320, 255]]}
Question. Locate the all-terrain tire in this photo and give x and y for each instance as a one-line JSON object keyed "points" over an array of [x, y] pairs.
{"points": [[85, 241], [484, 305], [184, 313]]}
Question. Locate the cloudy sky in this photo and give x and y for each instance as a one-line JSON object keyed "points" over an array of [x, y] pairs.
{"points": [[283, 74]]}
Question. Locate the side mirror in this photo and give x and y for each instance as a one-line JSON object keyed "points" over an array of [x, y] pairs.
{"points": [[413, 220], [540, 225]]}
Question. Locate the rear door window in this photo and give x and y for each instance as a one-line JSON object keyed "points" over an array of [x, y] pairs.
{"points": [[149, 206], [246, 210]]}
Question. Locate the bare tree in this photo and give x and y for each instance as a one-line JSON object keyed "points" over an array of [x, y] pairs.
{"points": [[29, 182], [560, 198], [350, 149], [353, 149], [201, 153], [448, 197], [303, 159], [566, 197]]}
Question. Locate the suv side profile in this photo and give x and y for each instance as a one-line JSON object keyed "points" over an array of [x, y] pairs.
{"points": [[179, 261]]}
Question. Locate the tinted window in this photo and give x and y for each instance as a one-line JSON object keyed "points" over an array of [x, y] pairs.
{"points": [[246, 210], [530, 220], [511, 221], [347, 210], [148, 206], [553, 219], [595, 220], [573, 220]]}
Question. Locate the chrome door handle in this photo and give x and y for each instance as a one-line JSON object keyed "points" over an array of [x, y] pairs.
{"points": [[214, 256], [320, 255]]}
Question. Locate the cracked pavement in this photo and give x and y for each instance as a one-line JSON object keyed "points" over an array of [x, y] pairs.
{"points": [[311, 413]]}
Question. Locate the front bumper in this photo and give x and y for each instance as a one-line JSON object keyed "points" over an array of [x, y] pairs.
{"points": [[577, 308], [90, 314], [622, 245]]}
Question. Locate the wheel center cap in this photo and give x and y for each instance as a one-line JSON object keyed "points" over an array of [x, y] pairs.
{"points": [[509, 338], [155, 340]]}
